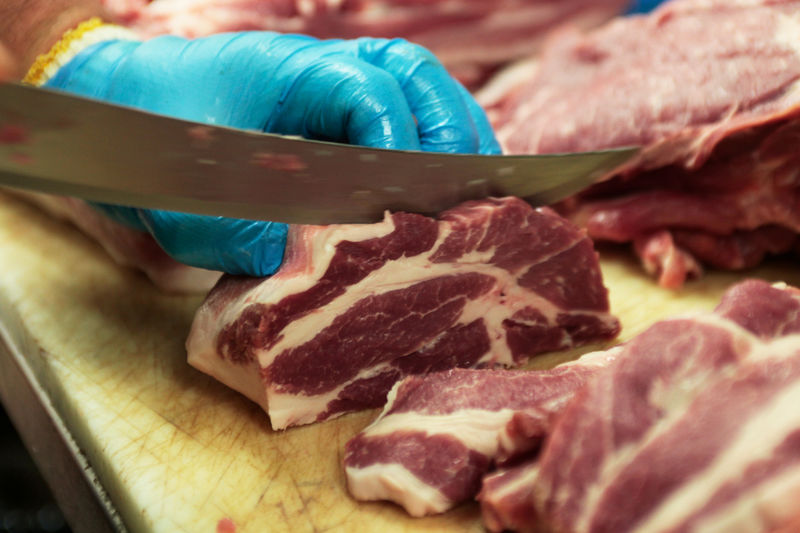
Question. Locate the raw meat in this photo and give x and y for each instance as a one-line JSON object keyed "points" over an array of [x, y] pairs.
{"points": [[124, 11], [126, 246], [693, 427], [354, 308], [710, 89], [471, 37], [439, 434]]}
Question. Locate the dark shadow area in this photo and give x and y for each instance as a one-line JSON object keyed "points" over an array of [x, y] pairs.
{"points": [[26, 504]]}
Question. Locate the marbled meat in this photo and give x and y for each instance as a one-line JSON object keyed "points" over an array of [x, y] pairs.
{"points": [[440, 434], [693, 427], [355, 308]]}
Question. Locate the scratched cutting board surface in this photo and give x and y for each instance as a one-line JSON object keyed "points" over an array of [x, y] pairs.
{"points": [[177, 451]]}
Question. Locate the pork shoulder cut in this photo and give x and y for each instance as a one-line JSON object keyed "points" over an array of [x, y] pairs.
{"points": [[441, 433], [354, 308]]}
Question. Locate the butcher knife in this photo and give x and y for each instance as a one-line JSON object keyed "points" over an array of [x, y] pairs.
{"points": [[58, 143]]}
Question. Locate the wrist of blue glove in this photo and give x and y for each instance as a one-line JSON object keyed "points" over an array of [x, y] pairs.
{"points": [[644, 6], [372, 92]]}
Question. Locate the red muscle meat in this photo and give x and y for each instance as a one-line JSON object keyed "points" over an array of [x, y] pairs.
{"points": [[710, 89], [471, 37], [355, 308], [693, 427]]}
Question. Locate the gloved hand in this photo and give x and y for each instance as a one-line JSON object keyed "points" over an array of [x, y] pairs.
{"points": [[644, 6], [372, 92]]}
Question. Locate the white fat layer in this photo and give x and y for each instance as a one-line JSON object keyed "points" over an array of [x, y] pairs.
{"points": [[673, 399], [477, 429], [523, 482], [321, 247], [246, 379], [769, 506], [598, 358], [452, 423], [288, 409], [393, 482], [756, 440], [295, 409], [787, 31], [507, 80]]}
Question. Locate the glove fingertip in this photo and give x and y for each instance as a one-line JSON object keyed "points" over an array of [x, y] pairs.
{"points": [[241, 247], [487, 142], [267, 250], [490, 145], [252, 249]]}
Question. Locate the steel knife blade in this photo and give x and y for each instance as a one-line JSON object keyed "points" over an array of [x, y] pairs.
{"points": [[59, 143]]}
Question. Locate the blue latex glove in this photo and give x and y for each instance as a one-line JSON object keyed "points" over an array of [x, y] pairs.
{"points": [[372, 92], [644, 6]]}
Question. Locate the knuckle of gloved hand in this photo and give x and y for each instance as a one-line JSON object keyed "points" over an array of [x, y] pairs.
{"points": [[409, 51], [355, 78]]}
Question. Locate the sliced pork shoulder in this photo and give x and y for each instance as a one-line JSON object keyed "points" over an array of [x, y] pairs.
{"points": [[439, 434], [355, 308]]}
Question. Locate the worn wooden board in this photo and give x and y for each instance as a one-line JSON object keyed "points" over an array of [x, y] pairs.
{"points": [[177, 451]]}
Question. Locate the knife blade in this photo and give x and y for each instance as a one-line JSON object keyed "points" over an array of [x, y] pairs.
{"points": [[63, 144]]}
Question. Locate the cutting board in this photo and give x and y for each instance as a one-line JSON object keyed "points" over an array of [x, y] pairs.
{"points": [[178, 452]]}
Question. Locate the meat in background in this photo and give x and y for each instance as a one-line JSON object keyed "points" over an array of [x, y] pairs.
{"points": [[471, 37], [710, 89], [691, 425]]}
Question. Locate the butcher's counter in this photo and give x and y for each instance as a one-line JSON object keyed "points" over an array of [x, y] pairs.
{"points": [[94, 375]]}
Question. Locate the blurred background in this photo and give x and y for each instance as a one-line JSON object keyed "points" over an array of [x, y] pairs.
{"points": [[26, 504]]}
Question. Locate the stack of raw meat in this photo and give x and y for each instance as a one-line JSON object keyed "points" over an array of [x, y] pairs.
{"points": [[471, 37], [690, 426], [710, 89]]}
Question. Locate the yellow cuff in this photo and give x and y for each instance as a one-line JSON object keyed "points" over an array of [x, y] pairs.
{"points": [[86, 34]]}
